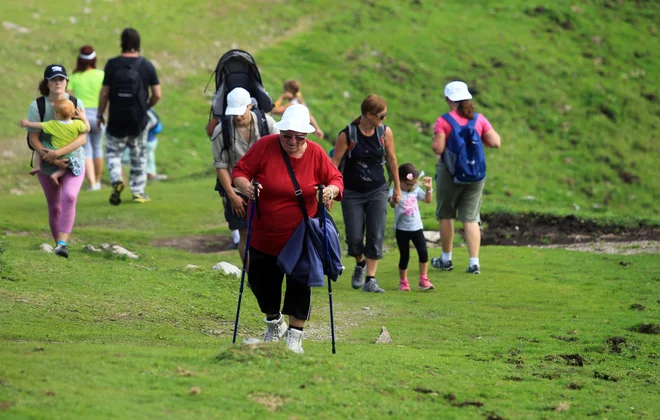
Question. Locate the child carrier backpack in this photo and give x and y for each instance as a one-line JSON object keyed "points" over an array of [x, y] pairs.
{"points": [[128, 100], [352, 141], [464, 154], [41, 107], [237, 68]]}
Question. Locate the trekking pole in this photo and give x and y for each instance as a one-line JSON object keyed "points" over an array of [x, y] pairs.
{"points": [[254, 204], [327, 263]]}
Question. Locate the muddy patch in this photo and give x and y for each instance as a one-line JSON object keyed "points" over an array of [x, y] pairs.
{"points": [[198, 244], [568, 232]]}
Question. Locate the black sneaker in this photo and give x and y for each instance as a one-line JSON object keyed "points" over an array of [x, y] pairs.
{"points": [[115, 196], [442, 265], [473, 269], [62, 251]]}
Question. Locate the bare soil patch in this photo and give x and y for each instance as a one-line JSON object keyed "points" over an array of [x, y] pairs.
{"points": [[569, 232], [198, 244]]}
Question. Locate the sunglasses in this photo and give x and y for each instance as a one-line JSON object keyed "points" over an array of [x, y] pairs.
{"points": [[289, 136], [381, 116]]}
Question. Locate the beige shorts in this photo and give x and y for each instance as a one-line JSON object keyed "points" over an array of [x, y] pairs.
{"points": [[462, 200]]}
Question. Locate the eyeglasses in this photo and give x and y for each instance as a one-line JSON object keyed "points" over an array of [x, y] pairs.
{"points": [[381, 116], [289, 136]]}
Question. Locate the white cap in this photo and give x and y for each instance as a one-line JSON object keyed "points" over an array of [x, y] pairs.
{"points": [[457, 91], [295, 118], [237, 101]]}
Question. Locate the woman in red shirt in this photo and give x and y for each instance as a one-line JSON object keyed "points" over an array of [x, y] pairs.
{"points": [[281, 214]]}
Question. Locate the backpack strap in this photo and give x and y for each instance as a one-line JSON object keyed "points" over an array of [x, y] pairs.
{"points": [[262, 122], [41, 106], [226, 135], [454, 125], [352, 139], [380, 133]]}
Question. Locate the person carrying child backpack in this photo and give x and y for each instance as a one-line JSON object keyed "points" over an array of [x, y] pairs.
{"points": [[408, 224], [461, 172]]}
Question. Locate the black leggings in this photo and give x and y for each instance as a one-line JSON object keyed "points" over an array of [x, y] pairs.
{"points": [[403, 239], [265, 279]]}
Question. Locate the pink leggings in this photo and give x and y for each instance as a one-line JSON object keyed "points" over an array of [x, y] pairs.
{"points": [[61, 201]]}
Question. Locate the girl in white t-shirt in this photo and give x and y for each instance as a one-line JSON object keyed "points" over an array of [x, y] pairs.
{"points": [[408, 224]]}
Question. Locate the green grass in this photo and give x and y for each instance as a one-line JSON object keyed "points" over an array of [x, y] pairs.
{"points": [[101, 337], [94, 336]]}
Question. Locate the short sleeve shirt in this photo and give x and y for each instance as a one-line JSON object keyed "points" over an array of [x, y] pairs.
{"points": [[86, 85], [63, 133], [46, 140], [406, 213]]}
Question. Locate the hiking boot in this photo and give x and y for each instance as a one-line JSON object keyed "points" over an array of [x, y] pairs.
{"points": [[294, 341], [425, 284], [115, 196], [372, 286], [62, 251], [358, 276], [473, 269], [442, 265], [276, 329], [404, 286], [141, 198]]}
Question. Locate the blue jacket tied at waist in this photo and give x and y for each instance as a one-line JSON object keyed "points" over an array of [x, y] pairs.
{"points": [[303, 256]]}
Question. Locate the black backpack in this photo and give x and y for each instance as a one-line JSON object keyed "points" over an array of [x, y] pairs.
{"points": [[41, 106], [128, 102], [237, 68]]}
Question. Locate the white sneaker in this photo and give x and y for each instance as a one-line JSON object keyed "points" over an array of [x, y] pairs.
{"points": [[276, 329], [294, 341]]}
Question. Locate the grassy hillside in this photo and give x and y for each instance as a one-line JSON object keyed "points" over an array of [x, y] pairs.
{"points": [[571, 86], [542, 333]]}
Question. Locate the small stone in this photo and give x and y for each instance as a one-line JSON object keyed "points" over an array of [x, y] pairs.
{"points": [[227, 268], [91, 248], [46, 248], [195, 390], [119, 250], [251, 341], [192, 267], [384, 337], [529, 197], [432, 236], [365, 308], [347, 94]]}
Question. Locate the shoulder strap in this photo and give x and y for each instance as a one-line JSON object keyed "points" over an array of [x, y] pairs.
{"points": [[473, 122], [298, 191], [262, 122], [352, 139], [41, 106], [380, 133], [137, 63], [74, 100], [226, 135], [454, 125]]}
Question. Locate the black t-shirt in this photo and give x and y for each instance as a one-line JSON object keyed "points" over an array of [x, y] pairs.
{"points": [[149, 78], [364, 169]]}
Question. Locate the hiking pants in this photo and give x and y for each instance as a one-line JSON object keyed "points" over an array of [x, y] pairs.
{"points": [[364, 219], [266, 278], [61, 200], [114, 149]]}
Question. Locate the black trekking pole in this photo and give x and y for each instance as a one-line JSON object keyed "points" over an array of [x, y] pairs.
{"points": [[324, 226], [254, 204]]}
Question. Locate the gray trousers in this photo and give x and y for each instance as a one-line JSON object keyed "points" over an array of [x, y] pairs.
{"points": [[365, 214], [114, 150]]}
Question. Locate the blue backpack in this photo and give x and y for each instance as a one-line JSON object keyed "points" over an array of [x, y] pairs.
{"points": [[464, 153]]}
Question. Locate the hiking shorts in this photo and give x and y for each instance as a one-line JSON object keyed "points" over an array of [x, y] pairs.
{"points": [[365, 214], [453, 199], [234, 221]]}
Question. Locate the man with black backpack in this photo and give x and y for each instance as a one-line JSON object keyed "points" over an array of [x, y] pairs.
{"points": [[128, 79], [237, 130]]}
